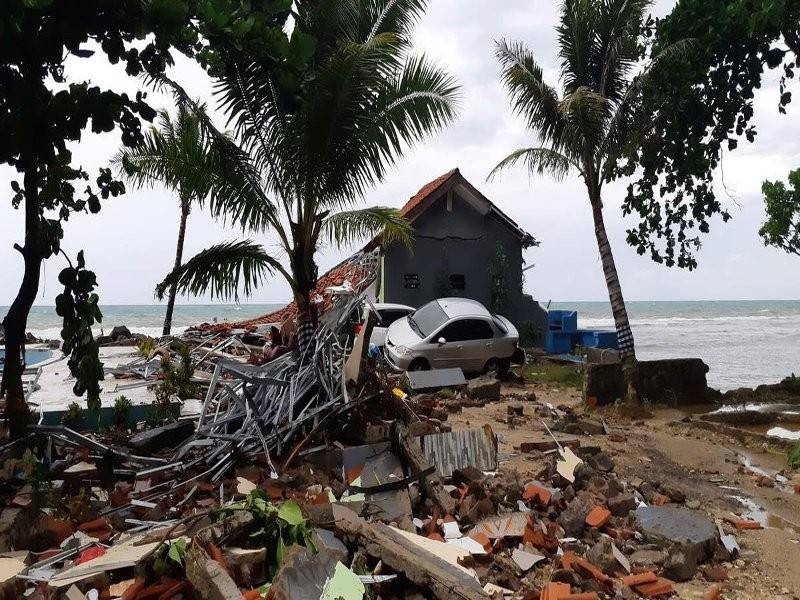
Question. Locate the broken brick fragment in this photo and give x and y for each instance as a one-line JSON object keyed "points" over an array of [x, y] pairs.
{"points": [[639, 579], [555, 591], [743, 523], [715, 573], [483, 540], [582, 596], [179, 588], [713, 592], [598, 517], [660, 500], [537, 493], [570, 560], [662, 587]]}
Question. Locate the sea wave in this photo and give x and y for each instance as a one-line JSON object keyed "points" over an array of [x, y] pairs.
{"points": [[609, 322], [54, 333]]}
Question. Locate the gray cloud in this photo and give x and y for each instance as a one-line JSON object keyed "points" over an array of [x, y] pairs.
{"points": [[130, 244]]}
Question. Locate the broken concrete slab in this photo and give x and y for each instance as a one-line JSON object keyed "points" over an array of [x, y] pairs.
{"points": [[435, 379], [525, 560], [539, 441], [411, 554], [484, 388], [669, 525], [501, 526], [208, 578]]}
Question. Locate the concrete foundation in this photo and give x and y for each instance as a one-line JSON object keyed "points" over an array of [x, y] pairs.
{"points": [[677, 381]]}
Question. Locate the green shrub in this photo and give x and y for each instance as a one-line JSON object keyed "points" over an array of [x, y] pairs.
{"points": [[562, 376], [72, 418], [122, 410], [146, 346], [794, 457]]}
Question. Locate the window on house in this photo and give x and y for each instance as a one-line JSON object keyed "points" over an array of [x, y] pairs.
{"points": [[458, 282]]}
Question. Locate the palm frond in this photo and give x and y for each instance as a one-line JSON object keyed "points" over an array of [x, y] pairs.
{"points": [[221, 271], [532, 98], [627, 118], [350, 226], [618, 30], [538, 161]]}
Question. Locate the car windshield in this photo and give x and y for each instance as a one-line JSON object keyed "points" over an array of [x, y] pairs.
{"points": [[427, 319]]}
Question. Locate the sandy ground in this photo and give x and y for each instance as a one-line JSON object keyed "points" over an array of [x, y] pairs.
{"points": [[55, 383], [709, 467]]}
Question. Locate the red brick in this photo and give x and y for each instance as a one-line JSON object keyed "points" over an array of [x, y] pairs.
{"points": [[662, 587], [555, 591], [598, 517], [538, 494], [743, 523], [639, 579], [483, 540]]}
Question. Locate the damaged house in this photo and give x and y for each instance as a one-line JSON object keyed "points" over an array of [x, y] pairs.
{"points": [[464, 246]]}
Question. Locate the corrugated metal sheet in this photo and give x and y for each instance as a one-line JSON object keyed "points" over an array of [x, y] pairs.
{"points": [[458, 449]]}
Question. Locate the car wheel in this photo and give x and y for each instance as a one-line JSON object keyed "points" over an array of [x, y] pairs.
{"points": [[491, 366], [498, 368], [419, 364]]}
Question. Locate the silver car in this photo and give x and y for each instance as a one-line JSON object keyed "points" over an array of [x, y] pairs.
{"points": [[387, 314], [451, 332]]}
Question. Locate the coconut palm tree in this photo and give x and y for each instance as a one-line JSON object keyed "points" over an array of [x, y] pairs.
{"points": [[175, 154], [591, 125], [303, 162]]}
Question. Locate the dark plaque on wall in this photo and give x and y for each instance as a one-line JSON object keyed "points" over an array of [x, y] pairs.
{"points": [[411, 281]]}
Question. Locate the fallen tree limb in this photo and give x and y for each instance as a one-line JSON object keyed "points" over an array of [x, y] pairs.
{"points": [[431, 484], [420, 565]]}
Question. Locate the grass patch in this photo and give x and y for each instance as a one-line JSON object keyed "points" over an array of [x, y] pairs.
{"points": [[793, 457], [562, 376]]}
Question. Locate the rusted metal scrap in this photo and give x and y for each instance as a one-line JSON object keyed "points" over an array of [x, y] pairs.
{"points": [[257, 411]]}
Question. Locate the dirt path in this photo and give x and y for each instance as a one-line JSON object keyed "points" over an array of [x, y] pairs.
{"points": [[709, 467]]}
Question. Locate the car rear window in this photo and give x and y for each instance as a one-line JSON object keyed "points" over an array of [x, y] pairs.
{"points": [[390, 315], [500, 325], [427, 319]]}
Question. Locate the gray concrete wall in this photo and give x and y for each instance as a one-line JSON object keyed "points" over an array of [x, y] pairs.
{"points": [[458, 242]]}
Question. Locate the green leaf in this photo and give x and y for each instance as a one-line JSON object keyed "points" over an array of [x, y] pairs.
{"points": [[37, 4], [290, 512], [177, 552]]}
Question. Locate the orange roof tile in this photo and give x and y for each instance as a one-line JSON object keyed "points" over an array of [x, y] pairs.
{"points": [[425, 191]]}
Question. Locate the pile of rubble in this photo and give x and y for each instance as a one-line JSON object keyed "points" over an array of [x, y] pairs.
{"points": [[324, 476]]}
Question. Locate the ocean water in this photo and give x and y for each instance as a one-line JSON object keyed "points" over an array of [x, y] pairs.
{"points": [[745, 343], [147, 319]]}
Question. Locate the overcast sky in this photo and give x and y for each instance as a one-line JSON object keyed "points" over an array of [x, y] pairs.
{"points": [[130, 244]]}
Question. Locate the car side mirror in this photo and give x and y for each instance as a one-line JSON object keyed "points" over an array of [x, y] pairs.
{"points": [[441, 341]]}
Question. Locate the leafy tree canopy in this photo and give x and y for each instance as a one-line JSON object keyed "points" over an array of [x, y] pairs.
{"points": [[42, 112], [700, 108], [782, 227]]}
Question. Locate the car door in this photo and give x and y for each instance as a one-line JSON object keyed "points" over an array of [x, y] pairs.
{"points": [[451, 354], [465, 345], [479, 346]]}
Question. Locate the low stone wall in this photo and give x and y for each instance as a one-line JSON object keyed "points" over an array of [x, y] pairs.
{"points": [[672, 381]]}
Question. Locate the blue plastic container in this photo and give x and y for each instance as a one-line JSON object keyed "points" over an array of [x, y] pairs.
{"points": [[565, 321], [557, 342]]}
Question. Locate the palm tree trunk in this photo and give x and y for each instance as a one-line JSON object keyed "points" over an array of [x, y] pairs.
{"points": [[627, 351], [173, 290]]}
